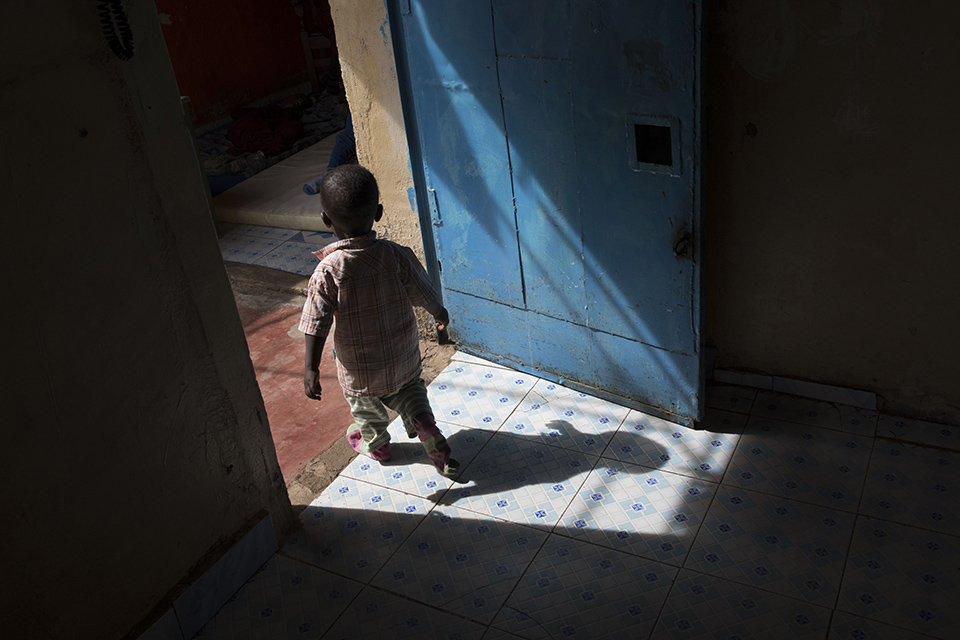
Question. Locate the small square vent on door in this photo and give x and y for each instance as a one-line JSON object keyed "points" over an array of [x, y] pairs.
{"points": [[653, 143]]}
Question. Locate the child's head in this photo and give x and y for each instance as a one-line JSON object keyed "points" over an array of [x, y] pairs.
{"points": [[350, 200]]}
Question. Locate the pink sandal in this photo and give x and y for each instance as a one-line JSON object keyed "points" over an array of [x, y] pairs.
{"points": [[435, 445], [356, 442]]}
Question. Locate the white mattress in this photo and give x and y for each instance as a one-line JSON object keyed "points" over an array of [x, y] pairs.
{"points": [[274, 197]]}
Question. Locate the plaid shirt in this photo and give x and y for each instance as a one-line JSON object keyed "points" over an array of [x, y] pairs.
{"points": [[371, 287]]}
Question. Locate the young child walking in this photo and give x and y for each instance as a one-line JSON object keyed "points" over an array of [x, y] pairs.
{"points": [[371, 287]]}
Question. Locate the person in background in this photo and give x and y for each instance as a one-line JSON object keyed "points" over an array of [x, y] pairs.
{"points": [[344, 152]]}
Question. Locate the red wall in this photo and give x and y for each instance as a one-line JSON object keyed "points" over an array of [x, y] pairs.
{"points": [[227, 53]]}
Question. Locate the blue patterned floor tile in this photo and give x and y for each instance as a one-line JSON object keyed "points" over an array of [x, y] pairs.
{"points": [[379, 614], [353, 527], [318, 237], [816, 413], [846, 626], [293, 257], [566, 418], [246, 249], [719, 421], [913, 485], [284, 599], [701, 453], [729, 397], [267, 233], [462, 563], [801, 462], [929, 433], [478, 396], [788, 547], [641, 511], [465, 442], [409, 468], [703, 606], [903, 576], [578, 590], [522, 481]]}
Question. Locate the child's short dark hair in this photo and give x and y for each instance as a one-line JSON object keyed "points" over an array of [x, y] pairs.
{"points": [[349, 193]]}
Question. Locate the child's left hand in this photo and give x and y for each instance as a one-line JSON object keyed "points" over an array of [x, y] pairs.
{"points": [[442, 320], [311, 384]]}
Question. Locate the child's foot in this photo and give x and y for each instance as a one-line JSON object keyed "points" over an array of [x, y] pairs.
{"points": [[451, 469], [356, 442], [433, 442]]}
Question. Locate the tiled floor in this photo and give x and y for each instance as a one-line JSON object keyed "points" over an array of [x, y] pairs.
{"points": [[577, 518], [284, 249]]}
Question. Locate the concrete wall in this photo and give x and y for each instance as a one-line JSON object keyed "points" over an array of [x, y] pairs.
{"points": [[831, 221], [370, 80], [135, 439]]}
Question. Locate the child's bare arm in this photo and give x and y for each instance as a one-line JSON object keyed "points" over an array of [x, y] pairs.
{"points": [[311, 364], [439, 313]]}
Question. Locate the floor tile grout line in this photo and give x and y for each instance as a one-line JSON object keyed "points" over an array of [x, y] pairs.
{"points": [[663, 604], [349, 604], [914, 633], [539, 440], [496, 518], [506, 598], [736, 448], [345, 473], [952, 536], [779, 497], [662, 470], [408, 598], [866, 474], [754, 416], [846, 559], [614, 433], [753, 402], [916, 444], [576, 492], [832, 403], [753, 586]]}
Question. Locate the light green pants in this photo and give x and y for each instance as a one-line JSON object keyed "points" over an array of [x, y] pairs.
{"points": [[370, 413]]}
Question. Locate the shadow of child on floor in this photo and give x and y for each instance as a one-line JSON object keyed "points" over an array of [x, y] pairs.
{"points": [[496, 462]]}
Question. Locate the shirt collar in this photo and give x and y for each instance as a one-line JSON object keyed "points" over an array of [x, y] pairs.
{"points": [[358, 242]]}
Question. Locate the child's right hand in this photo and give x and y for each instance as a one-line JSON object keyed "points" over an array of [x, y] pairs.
{"points": [[311, 384]]}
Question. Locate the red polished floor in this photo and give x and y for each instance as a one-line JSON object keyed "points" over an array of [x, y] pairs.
{"points": [[301, 427]]}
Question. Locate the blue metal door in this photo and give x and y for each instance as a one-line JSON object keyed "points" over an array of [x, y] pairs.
{"points": [[556, 148]]}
